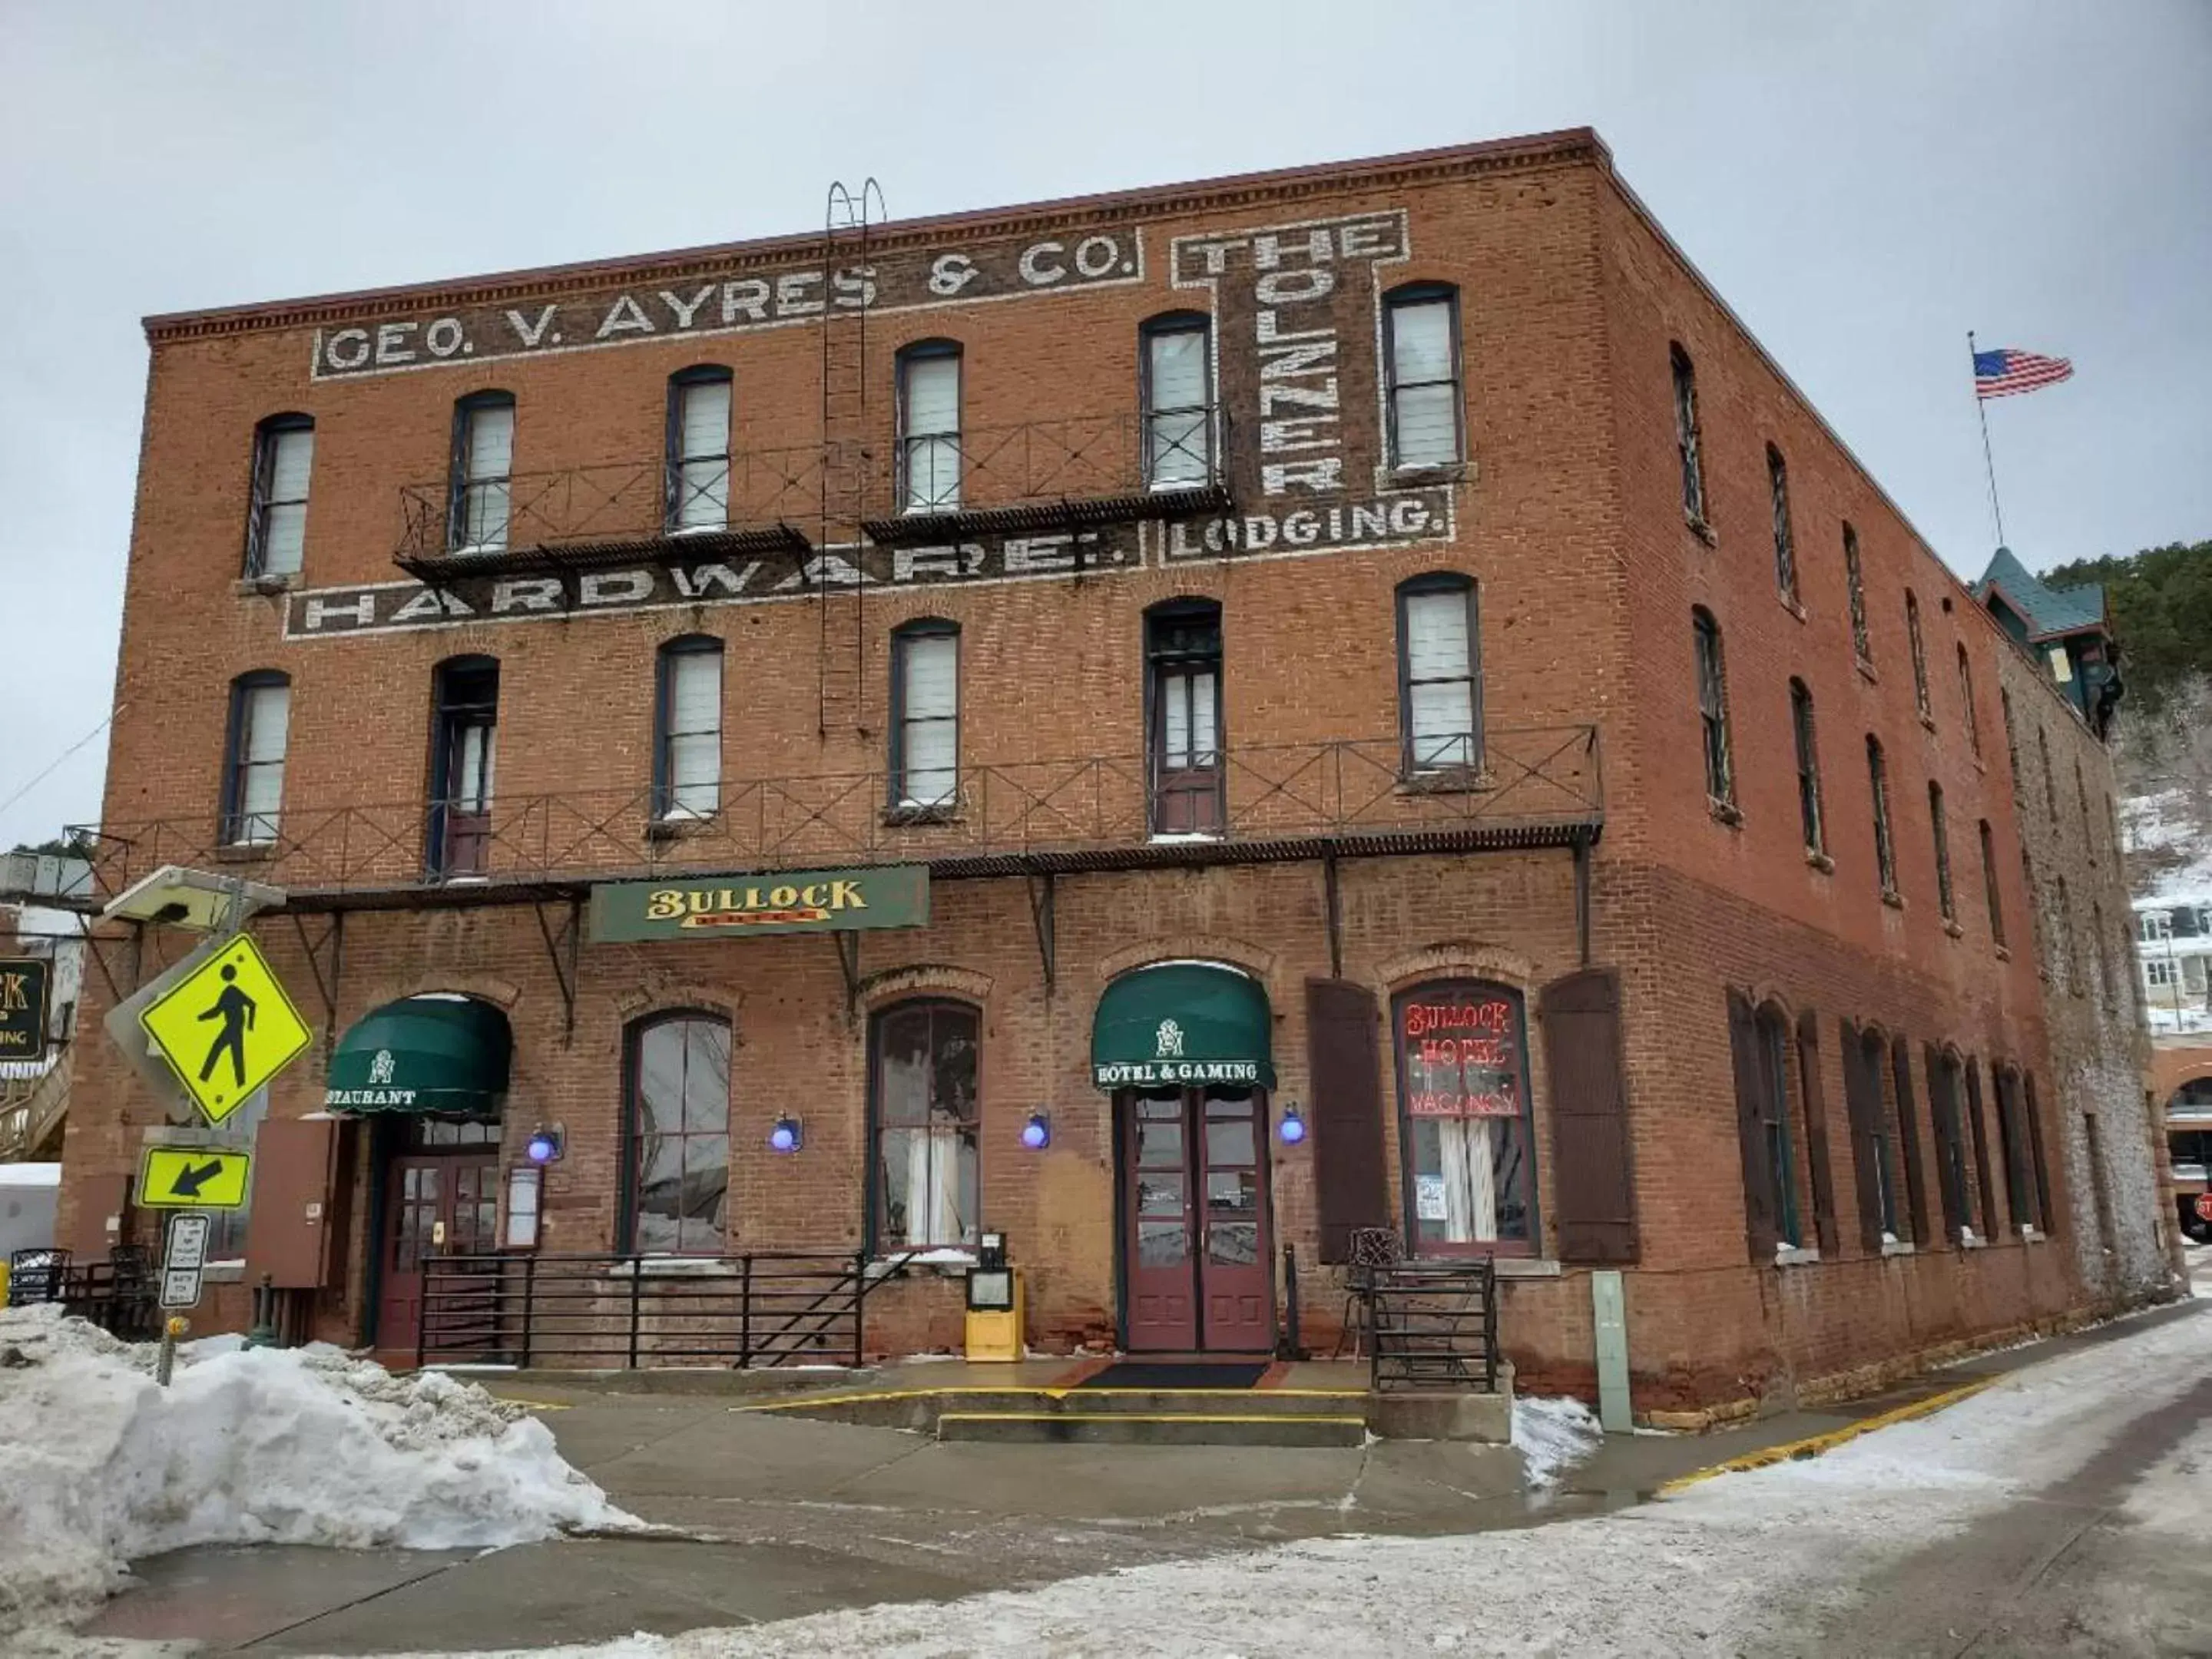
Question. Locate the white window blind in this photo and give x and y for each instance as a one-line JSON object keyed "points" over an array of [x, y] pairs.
{"points": [[264, 717], [929, 709], [932, 391], [290, 457], [488, 456], [1190, 737], [1424, 389], [1439, 679], [692, 768], [472, 777], [703, 450], [1177, 437]]}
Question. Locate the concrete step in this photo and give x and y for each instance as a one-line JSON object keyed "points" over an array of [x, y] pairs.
{"points": [[1203, 1403], [1153, 1429]]}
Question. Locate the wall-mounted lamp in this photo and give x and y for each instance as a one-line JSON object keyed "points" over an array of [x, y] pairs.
{"points": [[1036, 1134], [1293, 1127], [788, 1136], [544, 1145]]}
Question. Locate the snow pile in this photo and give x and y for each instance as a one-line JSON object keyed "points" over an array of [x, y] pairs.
{"points": [[1552, 1436], [98, 1465]]}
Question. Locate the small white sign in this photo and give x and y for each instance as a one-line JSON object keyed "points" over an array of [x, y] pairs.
{"points": [[1429, 1204], [187, 1246], [180, 1287]]}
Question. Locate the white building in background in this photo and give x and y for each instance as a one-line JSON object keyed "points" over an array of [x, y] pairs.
{"points": [[2173, 951]]}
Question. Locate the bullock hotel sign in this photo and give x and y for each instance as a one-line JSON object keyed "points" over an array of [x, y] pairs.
{"points": [[701, 909]]}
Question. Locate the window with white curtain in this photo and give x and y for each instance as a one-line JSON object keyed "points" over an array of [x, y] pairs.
{"points": [[927, 1119], [1424, 364], [929, 429], [679, 1135], [1464, 1117], [699, 450], [284, 455], [483, 465], [1178, 413], [925, 723], [690, 777], [260, 716], [1439, 707]]}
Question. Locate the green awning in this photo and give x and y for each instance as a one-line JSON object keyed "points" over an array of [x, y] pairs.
{"points": [[442, 1055], [1183, 1023]]}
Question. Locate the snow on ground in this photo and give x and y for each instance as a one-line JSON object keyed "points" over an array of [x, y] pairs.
{"points": [[1552, 1436], [2160, 828], [98, 1465], [1732, 1565]]}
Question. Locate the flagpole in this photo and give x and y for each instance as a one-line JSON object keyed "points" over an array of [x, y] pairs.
{"points": [[1982, 409]]}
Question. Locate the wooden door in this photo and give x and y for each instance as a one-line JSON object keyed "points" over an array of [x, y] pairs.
{"points": [[1198, 1275], [1237, 1280], [1159, 1221], [423, 1192]]}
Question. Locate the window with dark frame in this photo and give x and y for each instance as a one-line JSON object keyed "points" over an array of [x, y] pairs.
{"points": [[699, 449], [1808, 769], [2103, 949], [1439, 691], [688, 752], [1951, 1091], [253, 768], [925, 731], [1967, 701], [2049, 784], [1855, 591], [679, 1139], [926, 1192], [1464, 1117], [1938, 829], [1178, 399], [1921, 699], [277, 523], [1773, 1028], [2088, 830], [483, 476], [1990, 894], [2012, 734], [1712, 708], [1885, 854], [2014, 1149], [1785, 546], [2069, 957], [929, 447], [1872, 1126], [1686, 436], [1422, 322]]}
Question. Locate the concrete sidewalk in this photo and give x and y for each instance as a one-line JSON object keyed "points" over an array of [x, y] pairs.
{"points": [[781, 1516]]}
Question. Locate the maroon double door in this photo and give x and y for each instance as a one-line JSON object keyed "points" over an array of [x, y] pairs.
{"points": [[433, 1205], [1196, 1263]]}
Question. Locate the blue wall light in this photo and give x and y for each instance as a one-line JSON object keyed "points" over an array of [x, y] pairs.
{"points": [[787, 1136], [1036, 1134], [544, 1146], [1293, 1128]]}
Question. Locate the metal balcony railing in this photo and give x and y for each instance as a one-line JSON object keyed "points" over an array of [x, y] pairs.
{"points": [[1533, 784]]}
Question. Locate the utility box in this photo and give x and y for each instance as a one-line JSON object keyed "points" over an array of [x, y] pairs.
{"points": [[995, 1305], [302, 1180]]}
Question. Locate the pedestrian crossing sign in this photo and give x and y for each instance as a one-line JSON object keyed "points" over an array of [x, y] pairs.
{"points": [[226, 1028]]}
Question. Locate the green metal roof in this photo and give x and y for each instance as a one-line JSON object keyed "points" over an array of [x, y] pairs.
{"points": [[2048, 612], [1183, 1023]]}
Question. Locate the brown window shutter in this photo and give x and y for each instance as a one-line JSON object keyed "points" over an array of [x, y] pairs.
{"points": [[2047, 1216], [1594, 1178], [1990, 1222], [1862, 1106], [1908, 1133], [1759, 1224], [1816, 1132], [1344, 1064]]}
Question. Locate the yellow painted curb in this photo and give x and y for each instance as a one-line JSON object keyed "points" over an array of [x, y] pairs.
{"points": [[530, 1405], [1815, 1445], [955, 1389], [1134, 1417]]}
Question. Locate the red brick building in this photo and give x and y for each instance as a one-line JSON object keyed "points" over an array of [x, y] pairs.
{"points": [[1377, 648]]}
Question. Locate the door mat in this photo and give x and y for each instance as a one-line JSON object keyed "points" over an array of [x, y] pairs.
{"points": [[1155, 1374]]}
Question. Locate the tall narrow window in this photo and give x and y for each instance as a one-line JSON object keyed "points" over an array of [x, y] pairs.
{"points": [[1885, 854], [1966, 702], [1854, 592], [2069, 945], [1945, 1076], [1785, 545], [1712, 707], [1424, 360], [2098, 943], [2088, 829], [1686, 436], [1864, 1057], [2013, 1145], [1178, 401], [463, 763], [687, 769], [1989, 890], [929, 427], [2050, 786], [1182, 718], [1759, 1044], [1439, 699], [481, 488], [699, 449], [1464, 1117], [2012, 734], [925, 714], [1808, 769], [1938, 828], [925, 1193], [679, 1139], [1921, 699], [254, 777], [277, 527]]}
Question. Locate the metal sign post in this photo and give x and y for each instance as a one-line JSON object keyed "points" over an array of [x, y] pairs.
{"points": [[182, 1258]]}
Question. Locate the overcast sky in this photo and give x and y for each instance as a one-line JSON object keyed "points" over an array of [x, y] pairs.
{"points": [[1862, 182]]}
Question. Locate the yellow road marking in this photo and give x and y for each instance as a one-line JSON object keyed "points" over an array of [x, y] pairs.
{"points": [[1138, 1416], [530, 1405], [1815, 1445]]}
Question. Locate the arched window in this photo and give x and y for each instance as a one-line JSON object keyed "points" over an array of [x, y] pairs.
{"points": [[1808, 771], [925, 1118], [1712, 708], [687, 775], [1865, 1057], [925, 724], [679, 1140], [1687, 436], [1464, 1118], [1177, 393], [929, 427], [698, 490], [277, 523], [1439, 685], [1919, 651], [1183, 717], [480, 493], [254, 757], [1785, 543], [1758, 1043], [1422, 341]]}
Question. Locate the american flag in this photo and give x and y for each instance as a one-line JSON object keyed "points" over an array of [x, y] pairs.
{"points": [[2002, 373]]}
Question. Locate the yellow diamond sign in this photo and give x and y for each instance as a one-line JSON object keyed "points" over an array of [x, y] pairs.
{"points": [[226, 1027]]}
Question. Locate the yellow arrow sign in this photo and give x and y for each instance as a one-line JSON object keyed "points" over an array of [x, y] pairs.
{"points": [[226, 1027], [187, 1178]]}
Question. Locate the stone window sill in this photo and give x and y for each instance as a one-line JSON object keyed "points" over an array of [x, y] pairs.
{"points": [[1791, 1255], [1952, 928], [1927, 721], [246, 852], [949, 1260], [1818, 860], [1970, 1240], [1444, 781], [223, 1272], [1725, 811], [2034, 1235], [1795, 607], [1892, 898], [675, 826], [1526, 1267], [916, 813], [1412, 477], [2002, 953], [1896, 1247], [1703, 530], [1866, 673], [675, 1267], [247, 587]]}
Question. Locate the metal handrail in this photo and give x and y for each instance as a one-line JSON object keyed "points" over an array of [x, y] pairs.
{"points": [[1529, 778], [1434, 1324]]}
